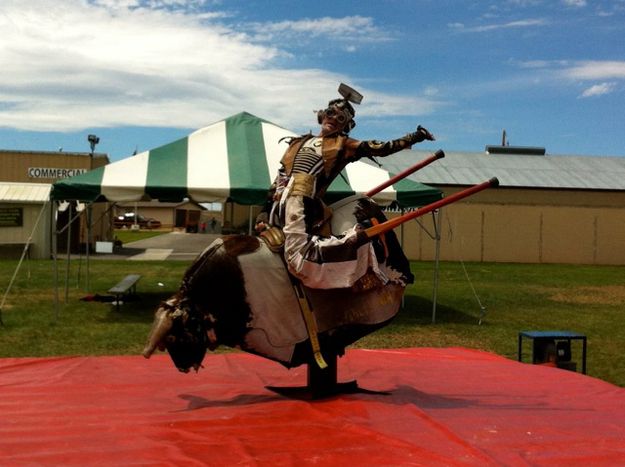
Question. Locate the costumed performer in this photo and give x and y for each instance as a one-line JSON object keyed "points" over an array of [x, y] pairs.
{"points": [[294, 203]]}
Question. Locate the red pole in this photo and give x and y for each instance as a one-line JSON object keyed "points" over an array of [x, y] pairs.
{"points": [[391, 224], [437, 155]]}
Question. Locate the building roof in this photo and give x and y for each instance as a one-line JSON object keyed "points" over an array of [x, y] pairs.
{"points": [[53, 153], [514, 170], [24, 192]]}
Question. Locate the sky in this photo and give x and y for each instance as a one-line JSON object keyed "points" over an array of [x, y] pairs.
{"points": [[142, 73]]}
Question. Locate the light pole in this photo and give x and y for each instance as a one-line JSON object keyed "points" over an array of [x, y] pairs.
{"points": [[93, 140]]}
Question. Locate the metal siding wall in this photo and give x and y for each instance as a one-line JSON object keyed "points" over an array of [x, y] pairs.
{"points": [[511, 235], [568, 235], [611, 236], [12, 170], [461, 233], [527, 226]]}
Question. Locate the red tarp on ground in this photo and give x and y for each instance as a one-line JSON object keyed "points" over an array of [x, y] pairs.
{"points": [[446, 407]]}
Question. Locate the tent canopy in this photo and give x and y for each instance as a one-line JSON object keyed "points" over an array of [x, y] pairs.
{"points": [[235, 159]]}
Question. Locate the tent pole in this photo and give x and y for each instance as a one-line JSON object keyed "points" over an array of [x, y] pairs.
{"points": [[69, 242], [436, 216], [55, 241], [89, 207], [249, 223], [401, 231], [55, 255], [401, 244], [232, 214]]}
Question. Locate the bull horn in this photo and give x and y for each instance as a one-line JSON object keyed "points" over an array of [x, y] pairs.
{"points": [[162, 324]]}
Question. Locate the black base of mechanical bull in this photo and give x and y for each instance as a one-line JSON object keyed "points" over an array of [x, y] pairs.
{"points": [[238, 293], [322, 383]]}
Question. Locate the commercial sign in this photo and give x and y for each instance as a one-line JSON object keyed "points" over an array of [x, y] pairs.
{"points": [[50, 172]]}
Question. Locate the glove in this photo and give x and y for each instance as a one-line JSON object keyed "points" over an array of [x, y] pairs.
{"points": [[423, 134]]}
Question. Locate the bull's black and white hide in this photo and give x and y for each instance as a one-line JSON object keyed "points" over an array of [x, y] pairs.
{"points": [[238, 293]]}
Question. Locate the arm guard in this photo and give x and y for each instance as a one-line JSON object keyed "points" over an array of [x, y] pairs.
{"points": [[385, 148]]}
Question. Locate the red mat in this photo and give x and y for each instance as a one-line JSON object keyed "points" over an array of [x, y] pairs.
{"points": [[446, 407]]}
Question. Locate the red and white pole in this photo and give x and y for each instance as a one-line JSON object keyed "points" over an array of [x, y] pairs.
{"points": [[437, 155]]}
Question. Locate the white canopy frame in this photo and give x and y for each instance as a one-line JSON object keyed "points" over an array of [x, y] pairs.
{"points": [[68, 227]]}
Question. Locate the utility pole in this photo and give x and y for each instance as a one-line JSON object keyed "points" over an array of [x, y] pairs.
{"points": [[93, 141]]}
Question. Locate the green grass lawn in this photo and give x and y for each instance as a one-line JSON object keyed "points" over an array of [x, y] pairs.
{"points": [[586, 299]]}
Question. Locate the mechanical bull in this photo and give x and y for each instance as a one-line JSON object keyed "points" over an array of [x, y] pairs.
{"points": [[238, 293]]}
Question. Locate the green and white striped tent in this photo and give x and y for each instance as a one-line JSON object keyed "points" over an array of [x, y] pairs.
{"points": [[235, 160]]}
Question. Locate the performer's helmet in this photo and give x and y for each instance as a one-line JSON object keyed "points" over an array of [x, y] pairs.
{"points": [[342, 111]]}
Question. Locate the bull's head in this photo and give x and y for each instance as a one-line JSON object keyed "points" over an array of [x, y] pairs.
{"points": [[185, 335]]}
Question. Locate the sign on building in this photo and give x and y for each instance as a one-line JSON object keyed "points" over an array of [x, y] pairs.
{"points": [[51, 172], [11, 217]]}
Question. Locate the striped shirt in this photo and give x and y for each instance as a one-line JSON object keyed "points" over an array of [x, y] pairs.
{"points": [[308, 158]]}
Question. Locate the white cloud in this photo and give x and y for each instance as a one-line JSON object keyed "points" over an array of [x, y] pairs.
{"points": [[72, 64], [588, 70], [524, 3], [598, 90], [352, 29], [575, 3], [542, 64], [525, 23], [183, 5], [595, 70]]}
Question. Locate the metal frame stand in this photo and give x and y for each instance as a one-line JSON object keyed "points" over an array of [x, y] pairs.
{"points": [[322, 384]]}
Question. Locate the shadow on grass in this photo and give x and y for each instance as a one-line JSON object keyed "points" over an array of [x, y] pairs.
{"points": [[418, 310], [138, 310]]}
